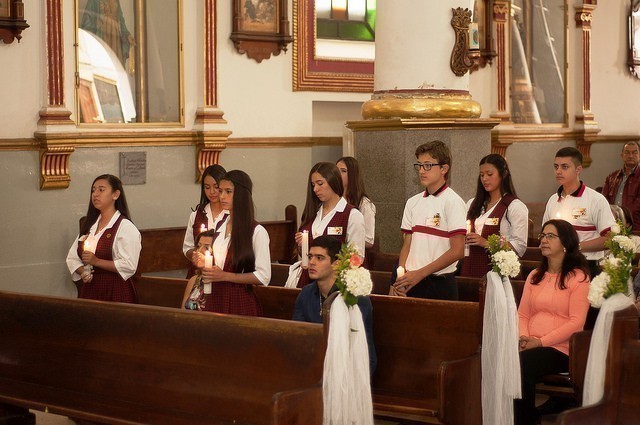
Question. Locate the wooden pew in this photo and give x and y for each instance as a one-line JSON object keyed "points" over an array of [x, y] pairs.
{"points": [[620, 403], [428, 360], [162, 248], [119, 363]]}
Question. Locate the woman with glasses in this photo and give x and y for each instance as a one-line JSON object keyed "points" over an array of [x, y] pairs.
{"points": [[494, 210], [327, 212], [554, 305], [208, 215], [356, 195], [240, 251]]}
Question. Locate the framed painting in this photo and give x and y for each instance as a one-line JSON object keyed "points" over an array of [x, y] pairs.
{"points": [[12, 21], [109, 99], [260, 28], [314, 71], [5, 10]]}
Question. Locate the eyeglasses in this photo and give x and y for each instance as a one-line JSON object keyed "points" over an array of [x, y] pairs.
{"points": [[426, 166], [549, 236]]}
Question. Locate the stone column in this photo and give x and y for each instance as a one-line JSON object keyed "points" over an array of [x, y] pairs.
{"points": [[420, 95]]}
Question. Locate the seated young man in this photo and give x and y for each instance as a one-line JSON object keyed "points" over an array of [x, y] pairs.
{"points": [[323, 253]]}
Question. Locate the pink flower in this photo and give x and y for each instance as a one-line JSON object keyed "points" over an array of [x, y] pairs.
{"points": [[355, 260]]}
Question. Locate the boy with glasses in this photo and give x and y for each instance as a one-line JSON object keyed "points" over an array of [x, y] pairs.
{"points": [[587, 210], [434, 228]]}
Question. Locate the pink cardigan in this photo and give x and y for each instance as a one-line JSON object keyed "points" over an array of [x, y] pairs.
{"points": [[552, 314]]}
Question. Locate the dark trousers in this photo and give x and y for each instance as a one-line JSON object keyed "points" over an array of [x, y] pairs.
{"points": [[534, 364], [437, 287]]}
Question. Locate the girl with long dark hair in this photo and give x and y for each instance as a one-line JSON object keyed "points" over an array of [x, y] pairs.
{"points": [[494, 210], [356, 195], [240, 250], [327, 212], [554, 305], [208, 214], [106, 252]]}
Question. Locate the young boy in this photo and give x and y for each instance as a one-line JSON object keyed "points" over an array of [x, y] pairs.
{"points": [[434, 228], [587, 210]]}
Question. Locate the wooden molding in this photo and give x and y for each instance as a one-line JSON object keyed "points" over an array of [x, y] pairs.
{"points": [[500, 15], [282, 142], [209, 146], [584, 18], [11, 26], [54, 167], [461, 61]]}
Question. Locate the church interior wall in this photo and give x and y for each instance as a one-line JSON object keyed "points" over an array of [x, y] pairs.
{"points": [[39, 226]]}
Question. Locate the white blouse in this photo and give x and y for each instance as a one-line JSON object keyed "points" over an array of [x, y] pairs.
{"points": [[125, 251], [355, 226], [514, 224], [260, 242], [368, 210], [189, 241]]}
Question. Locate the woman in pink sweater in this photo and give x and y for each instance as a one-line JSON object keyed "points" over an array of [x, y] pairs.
{"points": [[554, 305]]}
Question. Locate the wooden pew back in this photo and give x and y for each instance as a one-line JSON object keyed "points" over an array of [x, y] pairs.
{"points": [[114, 362], [431, 332]]}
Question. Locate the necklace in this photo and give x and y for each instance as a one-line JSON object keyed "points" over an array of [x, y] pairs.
{"points": [[491, 204]]}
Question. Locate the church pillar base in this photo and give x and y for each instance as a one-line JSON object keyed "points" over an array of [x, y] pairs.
{"points": [[385, 149]]}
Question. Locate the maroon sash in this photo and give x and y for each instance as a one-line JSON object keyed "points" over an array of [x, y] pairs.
{"points": [[477, 264], [339, 219], [107, 285]]}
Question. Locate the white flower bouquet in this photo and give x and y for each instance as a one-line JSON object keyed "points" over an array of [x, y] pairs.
{"points": [[616, 267], [351, 279], [504, 260]]}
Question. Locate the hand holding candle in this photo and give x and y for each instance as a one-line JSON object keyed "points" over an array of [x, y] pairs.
{"points": [[304, 252]]}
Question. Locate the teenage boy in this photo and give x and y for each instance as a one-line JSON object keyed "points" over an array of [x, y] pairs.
{"points": [[434, 228], [587, 210], [323, 254]]}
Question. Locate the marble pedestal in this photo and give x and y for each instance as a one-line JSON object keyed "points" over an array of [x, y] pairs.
{"points": [[385, 150]]}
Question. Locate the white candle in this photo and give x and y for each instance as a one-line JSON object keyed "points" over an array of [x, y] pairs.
{"points": [[208, 260], [474, 42], [400, 271], [208, 263], [305, 249], [466, 244], [203, 228], [86, 246]]}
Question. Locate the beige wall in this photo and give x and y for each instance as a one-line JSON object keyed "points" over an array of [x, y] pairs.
{"points": [[37, 227]]}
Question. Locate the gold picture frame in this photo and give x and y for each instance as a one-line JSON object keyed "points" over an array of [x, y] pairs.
{"points": [[311, 73]]}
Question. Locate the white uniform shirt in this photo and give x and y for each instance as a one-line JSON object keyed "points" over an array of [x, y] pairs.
{"points": [[432, 220], [260, 242], [368, 210], [514, 224], [126, 248], [355, 227], [587, 210], [212, 222]]}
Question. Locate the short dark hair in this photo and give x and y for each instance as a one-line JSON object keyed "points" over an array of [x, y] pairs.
{"points": [[207, 233], [331, 244], [570, 152], [439, 151], [631, 142]]}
